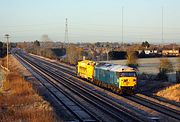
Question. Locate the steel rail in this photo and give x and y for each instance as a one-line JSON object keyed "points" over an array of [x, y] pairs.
{"points": [[176, 112], [46, 77], [75, 89], [156, 106]]}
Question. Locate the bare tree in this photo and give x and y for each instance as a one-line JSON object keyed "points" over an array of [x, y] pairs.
{"points": [[178, 70], [178, 64], [132, 59], [145, 44], [165, 65], [164, 68], [73, 54]]}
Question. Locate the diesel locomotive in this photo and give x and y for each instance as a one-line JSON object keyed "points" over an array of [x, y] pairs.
{"points": [[118, 78]]}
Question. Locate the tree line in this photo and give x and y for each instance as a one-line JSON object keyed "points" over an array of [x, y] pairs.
{"points": [[3, 50], [72, 53]]}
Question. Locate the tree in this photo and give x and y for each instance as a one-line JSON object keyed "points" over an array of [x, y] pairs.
{"points": [[1, 44], [164, 68], [35, 48], [178, 70], [145, 44], [73, 54], [165, 65], [114, 55], [132, 59], [178, 64], [36, 43], [2, 50], [22, 45], [97, 44]]}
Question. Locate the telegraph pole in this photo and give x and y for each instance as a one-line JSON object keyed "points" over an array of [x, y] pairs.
{"points": [[66, 32], [7, 43], [122, 25], [122, 29], [162, 24], [107, 52]]}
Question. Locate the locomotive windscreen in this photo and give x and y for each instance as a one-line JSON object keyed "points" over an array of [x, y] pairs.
{"points": [[127, 74]]}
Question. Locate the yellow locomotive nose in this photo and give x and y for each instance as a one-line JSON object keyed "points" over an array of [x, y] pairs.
{"points": [[128, 81]]}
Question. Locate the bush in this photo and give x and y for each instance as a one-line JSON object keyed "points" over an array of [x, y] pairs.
{"points": [[178, 64], [20, 102], [145, 76], [73, 55], [165, 67], [115, 55], [162, 76], [171, 92], [132, 59]]}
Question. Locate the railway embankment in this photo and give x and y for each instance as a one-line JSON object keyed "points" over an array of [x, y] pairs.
{"points": [[18, 100], [2, 75], [170, 93]]}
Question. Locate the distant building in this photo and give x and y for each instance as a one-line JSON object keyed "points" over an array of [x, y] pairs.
{"points": [[171, 52], [148, 52]]}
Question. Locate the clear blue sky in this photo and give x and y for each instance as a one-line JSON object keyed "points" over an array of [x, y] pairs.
{"points": [[91, 20]]}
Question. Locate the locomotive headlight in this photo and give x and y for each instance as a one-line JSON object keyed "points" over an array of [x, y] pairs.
{"points": [[125, 80]]}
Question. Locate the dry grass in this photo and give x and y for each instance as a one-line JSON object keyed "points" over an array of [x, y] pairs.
{"points": [[19, 102], [171, 93]]}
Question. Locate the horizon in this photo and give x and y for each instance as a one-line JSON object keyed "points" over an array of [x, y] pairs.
{"points": [[126, 43], [91, 21]]}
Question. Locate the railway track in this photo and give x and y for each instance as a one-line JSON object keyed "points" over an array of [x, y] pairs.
{"points": [[164, 100], [158, 107], [100, 102], [80, 113], [148, 103], [71, 68]]}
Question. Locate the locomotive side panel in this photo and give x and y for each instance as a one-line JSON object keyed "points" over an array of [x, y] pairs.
{"points": [[85, 69], [105, 76]]}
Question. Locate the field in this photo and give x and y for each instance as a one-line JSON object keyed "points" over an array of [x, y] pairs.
{"points": [[149, 65]]}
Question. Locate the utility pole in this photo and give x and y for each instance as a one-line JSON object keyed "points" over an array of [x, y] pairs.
{"points": [[107, 52], [162, 26], [7, 43], [66, 32], [122, 29]]}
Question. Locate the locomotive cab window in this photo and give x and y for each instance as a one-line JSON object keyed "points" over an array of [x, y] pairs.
{"points": [[126, 74]]}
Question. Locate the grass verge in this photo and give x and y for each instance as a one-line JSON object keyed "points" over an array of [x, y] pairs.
{"points": [[171, 93], [19, 101]]}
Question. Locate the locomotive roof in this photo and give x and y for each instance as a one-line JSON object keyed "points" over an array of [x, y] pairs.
{"points": [[87, 61], [114, 67]]}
